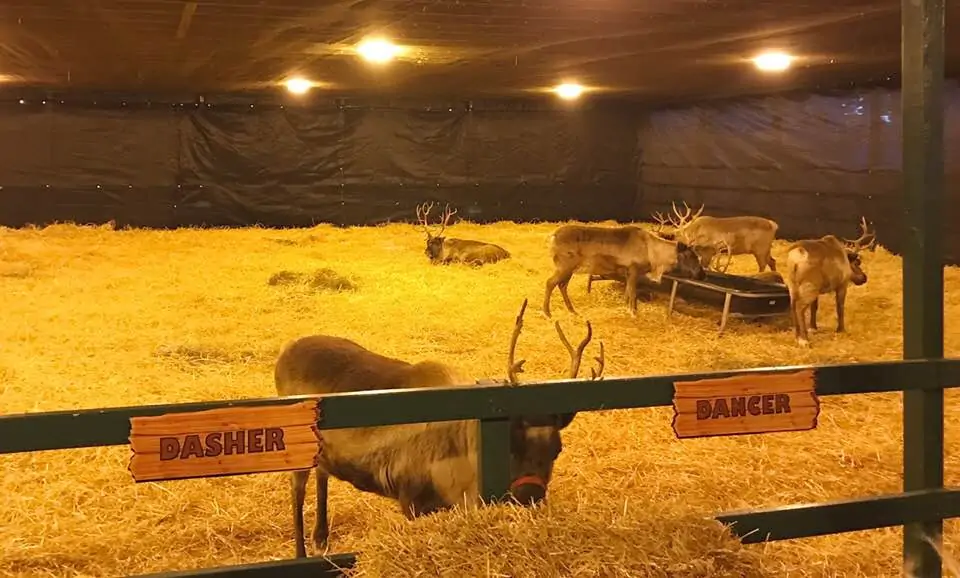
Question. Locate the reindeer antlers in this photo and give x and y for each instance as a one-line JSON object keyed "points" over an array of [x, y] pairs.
{"points": [[424, 210], [858, 245], [576, 355], [686, 218], [513, 368], [661, 221]]}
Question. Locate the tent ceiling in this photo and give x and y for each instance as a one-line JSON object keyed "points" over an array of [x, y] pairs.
{"points": [[650, 49]]}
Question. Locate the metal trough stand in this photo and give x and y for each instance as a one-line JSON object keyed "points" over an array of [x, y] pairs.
{"points": [[728, 294]]}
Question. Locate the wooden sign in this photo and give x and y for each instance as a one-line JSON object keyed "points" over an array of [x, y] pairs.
{"points": [[225, 442], [746, 404]]}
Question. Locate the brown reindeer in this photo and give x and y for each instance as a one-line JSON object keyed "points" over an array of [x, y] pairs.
{"points": [[709, 236], [575, 248], [605, 267], [445, 250], [426, 467], [819, 266]]}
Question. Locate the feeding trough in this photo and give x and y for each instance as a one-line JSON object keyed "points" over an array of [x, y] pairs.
{"points": [[736, 296]]}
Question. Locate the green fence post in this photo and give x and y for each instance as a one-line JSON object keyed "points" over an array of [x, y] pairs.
{"points": [[923, 23], [493, 459]]}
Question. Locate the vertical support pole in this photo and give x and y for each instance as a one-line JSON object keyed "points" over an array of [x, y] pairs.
{"points": [[493, 459], [923, 23]]}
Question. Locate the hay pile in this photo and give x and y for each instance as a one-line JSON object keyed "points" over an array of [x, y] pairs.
{"points": [[94, 317]]}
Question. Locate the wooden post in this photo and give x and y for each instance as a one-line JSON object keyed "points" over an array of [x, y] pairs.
{"points": [[923, 23]]}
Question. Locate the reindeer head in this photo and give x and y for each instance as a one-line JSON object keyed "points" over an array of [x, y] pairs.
{"points": [[434, 248], [689, 263], [535, 440], [853, 249], [680, 221]]}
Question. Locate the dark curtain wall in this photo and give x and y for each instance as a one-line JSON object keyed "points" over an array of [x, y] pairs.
{"points": [[241, 165], [815, 164]]}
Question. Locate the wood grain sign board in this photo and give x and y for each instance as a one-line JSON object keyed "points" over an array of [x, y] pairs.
{"points": [[225, 442], [746, 404]]}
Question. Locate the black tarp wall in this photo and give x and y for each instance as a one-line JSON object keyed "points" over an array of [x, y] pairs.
{"points": [[814, 163], [239, 164]]}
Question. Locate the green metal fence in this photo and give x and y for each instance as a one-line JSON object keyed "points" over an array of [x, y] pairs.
{"points": [[493, 405]]}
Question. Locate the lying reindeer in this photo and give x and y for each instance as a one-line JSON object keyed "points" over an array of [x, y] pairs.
{"points": [[744, 235], [819, 266], [426, 467], [445, 250], [577, 247]]}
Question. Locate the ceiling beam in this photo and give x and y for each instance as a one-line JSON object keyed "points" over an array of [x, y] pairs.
{"points": [[186, 17]]}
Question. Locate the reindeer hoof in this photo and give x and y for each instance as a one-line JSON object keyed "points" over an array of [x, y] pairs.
{"points": [[812, 329], [320, 542], [803, 343]]}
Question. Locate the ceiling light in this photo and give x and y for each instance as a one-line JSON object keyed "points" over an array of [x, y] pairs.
{"points": [[377, 51], [298, 85], [773, 61], [569, 91]]}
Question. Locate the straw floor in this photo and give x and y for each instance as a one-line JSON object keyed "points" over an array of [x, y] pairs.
{"points": [[94, 317]]}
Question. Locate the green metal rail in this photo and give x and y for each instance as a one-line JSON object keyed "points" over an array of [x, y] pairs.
{"points": [[493, 406]]}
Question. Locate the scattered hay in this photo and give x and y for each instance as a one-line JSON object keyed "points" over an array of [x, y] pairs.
{"points": [[320, 280], [141, 317], [285, 278], [287, 242], [205, 355], [302, 241], [555, 542], [17, 270]]}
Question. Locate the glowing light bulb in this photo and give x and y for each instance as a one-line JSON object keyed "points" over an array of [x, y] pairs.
{"points": [[377, 50], [569, 91], [298, 85], [773, 61]]}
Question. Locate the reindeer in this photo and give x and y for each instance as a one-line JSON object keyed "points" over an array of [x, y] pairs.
{"points": [[605, 267], [578, 247], [445, 250], [426, 467], [745, 235], [819, 266]]}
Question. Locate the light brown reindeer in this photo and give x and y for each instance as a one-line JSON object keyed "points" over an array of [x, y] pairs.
{"points": [[446, 250], [819, 266], [743, 235], [576, 248], [605, 267], [426, 467]]}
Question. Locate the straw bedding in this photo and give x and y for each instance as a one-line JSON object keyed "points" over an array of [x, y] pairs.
{"points": [[94, 317]]}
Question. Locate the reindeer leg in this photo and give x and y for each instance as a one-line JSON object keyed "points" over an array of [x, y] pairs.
{"points": [[551, 285], [762, 260], [803, 303], [813, 313], [589, 282], [562, 285], [321, 531], [841, 303], [771, 262], [298, 486], [633, 273]]}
